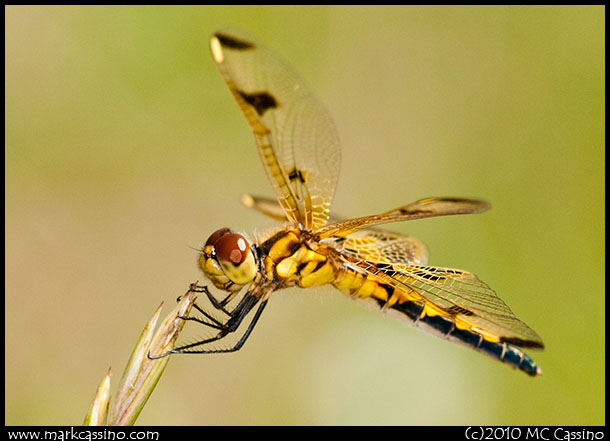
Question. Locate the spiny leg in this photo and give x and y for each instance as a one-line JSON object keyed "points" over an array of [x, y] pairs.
{"points": [[236, 317], [215, 323], [220, 305], [186, 348]]}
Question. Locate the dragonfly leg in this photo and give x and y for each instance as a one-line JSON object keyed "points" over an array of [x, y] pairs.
{"points": [[188, 349], [209, 320], [214, 323], [220, 305], [240, 312]]}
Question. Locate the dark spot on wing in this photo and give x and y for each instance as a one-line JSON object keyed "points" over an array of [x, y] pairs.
{"points": [[384, 266], [297, 174], [521, 343], [453, 271], [413, 210], [261, 101], [233, 43], [426, 275], [455, 310]]}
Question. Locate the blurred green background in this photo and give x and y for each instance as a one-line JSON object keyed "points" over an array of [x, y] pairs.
{"points": [[124, 149]]}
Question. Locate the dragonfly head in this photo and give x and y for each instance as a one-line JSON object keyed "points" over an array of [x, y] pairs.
{"points": [[228, 260]]}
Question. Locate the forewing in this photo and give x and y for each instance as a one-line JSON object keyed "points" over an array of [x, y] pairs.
{"points": [[295, 136], [266, 206], [423, 208]]}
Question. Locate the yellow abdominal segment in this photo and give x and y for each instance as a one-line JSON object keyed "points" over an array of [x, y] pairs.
{"points": [[361, 285]]}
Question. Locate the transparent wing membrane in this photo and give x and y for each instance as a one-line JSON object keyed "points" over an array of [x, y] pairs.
{"points": [[295, 135], [429, 207], [455, 293]]}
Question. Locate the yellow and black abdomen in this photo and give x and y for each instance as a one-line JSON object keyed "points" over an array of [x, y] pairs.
{"points": [[406, 304]]}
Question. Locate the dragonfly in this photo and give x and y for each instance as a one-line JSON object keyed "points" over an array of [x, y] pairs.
{"points": [[299, 148]]}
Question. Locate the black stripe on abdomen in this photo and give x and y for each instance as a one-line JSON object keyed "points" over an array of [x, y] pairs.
{"points": [[445, 327]]}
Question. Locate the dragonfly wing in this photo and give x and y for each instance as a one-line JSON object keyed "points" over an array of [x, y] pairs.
{"points": [[295, 136], [266, 206], [401, 262], [430, 207], [382, 247], [452, 293]]}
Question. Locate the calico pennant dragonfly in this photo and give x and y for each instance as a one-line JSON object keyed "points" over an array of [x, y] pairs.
{"points": [[299, 149]]}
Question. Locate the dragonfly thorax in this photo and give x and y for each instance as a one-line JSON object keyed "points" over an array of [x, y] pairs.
{"points": [[228, 260]]}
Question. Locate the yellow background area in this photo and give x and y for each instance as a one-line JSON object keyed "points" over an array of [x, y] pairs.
{"points": [[124, 151]]}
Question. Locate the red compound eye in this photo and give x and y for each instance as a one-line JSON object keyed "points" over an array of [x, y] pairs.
{"points": [[232, 247], [216, 235]]}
